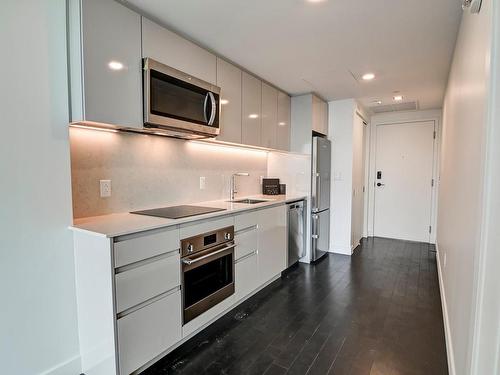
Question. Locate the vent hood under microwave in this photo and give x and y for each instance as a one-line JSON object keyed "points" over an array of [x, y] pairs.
{"points": [[177, 104]]}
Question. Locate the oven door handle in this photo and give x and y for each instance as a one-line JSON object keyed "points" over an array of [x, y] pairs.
{"points": [[193, 261]]}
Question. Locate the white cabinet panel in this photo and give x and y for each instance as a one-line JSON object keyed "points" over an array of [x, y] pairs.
{"points": [[147, 245], [319, 115], [247, 242], [111, 34], [229, 80], [272, 242], [283, 128], [149, 280], [246, 276], [269, 116], [170, 49], [251, 110], [200, 227], [146, 333], [246, 220]]}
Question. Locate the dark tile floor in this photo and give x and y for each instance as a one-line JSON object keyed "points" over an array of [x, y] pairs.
{"points": [[378, 312]]}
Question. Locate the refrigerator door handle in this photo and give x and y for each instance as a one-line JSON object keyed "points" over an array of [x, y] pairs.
{"points": [[317, 198], [315, 235]]}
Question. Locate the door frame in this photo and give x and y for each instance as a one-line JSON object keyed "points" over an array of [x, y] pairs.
{"points": [[395, 118]]}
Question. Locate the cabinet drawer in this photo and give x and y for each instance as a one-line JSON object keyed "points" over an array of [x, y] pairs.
{"points": [[141, 283], [246, 276], [146, 333], [245, 221], [246, 243], [152, 243]]}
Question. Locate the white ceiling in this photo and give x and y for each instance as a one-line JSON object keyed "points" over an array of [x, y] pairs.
{"points": [[322, 47]]}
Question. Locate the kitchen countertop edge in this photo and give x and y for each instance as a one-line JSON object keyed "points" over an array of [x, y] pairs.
{"points": [[122, 224]]}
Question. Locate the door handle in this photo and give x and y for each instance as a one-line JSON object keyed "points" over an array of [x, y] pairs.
{"points": [[380, 184], [213, 109]]}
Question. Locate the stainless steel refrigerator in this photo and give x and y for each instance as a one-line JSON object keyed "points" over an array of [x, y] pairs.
{"points": [[320, 197]]}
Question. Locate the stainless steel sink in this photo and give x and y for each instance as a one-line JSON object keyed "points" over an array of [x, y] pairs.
{"points": [[249, 201]]}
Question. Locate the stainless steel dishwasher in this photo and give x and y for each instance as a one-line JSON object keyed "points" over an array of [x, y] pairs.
{"points": [[296, 232]]}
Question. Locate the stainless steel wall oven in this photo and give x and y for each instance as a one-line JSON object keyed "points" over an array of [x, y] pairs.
{"points": [[207, 271]]}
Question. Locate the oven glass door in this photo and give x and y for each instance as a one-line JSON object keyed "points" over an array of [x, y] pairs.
{"points": [[174, 98], [207, 282]]}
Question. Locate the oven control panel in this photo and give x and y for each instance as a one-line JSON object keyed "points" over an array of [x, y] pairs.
{"points": [[205, 241]]}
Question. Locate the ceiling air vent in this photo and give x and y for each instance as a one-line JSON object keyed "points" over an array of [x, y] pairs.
{"points": [[409, 106]]}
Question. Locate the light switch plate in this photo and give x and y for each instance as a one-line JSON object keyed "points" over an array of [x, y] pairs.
{"points": [[105, 188]]}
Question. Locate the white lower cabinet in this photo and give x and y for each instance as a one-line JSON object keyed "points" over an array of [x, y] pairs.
{"points": [[272, 242], [149, 331], [246, 272]]}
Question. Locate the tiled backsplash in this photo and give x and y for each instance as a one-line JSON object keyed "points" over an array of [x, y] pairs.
{"points": [[151, 171]]}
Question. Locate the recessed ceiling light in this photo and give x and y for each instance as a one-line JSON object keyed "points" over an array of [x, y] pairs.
{"points": [[377, 102], [398, 98], [281, 124], [253, 115], [315, 1], [115, 65], [224, 101], [368, 76]]}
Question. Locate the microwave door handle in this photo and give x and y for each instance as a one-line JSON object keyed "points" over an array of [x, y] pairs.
{"points": [[213, 111], [205, 108]]}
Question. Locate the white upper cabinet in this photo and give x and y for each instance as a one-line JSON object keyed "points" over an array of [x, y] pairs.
{"points": [[170, 49], [229, 80], [251, 110], [319, 115], [283, 128], [105, 63], [269, 116]]}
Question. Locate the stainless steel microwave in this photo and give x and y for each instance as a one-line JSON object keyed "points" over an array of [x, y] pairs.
{"points": [[179, 105]]}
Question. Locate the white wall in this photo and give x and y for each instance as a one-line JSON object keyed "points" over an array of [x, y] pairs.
{"points": [[340, 130], [149, 171], [398, 118], [38, 327], [462, 182]]}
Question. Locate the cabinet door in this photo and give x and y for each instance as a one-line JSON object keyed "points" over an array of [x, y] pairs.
{"points": [[269, 116], [319, 115], [229, 80], [246, 276], [272, 242], [170, 49], [146, 333], [283, 128], [251, 110], [111, 35]]}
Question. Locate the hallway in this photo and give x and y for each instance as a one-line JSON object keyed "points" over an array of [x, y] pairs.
{"points": [[378, 312]]}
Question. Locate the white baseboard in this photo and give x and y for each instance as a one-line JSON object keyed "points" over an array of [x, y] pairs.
{"points": [[447, 331], [344, 250], [72, 366]]}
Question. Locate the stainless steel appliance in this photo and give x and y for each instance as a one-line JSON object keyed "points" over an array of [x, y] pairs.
{"points": [[177, 212], [320, 197], [178, 104], [207, 271], [296, 232]]}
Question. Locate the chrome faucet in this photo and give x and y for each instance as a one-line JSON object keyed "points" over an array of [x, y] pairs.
{"points": [[233, 183]]}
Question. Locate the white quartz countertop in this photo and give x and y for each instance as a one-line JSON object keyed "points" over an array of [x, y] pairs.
{"points": [[120, 224]]}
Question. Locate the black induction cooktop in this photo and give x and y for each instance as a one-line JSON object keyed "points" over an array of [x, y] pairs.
{"points": [[177, 212]]}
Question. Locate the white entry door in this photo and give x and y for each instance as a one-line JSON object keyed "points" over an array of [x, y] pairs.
{"points": [[403, 180]]}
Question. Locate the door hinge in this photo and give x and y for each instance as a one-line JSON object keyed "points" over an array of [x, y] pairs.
{"points": [[432, 182], [430, 229], [434, 135]]}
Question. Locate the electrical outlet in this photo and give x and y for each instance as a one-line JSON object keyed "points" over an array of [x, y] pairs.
{"points": [[203, 184], [105, 187]]}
